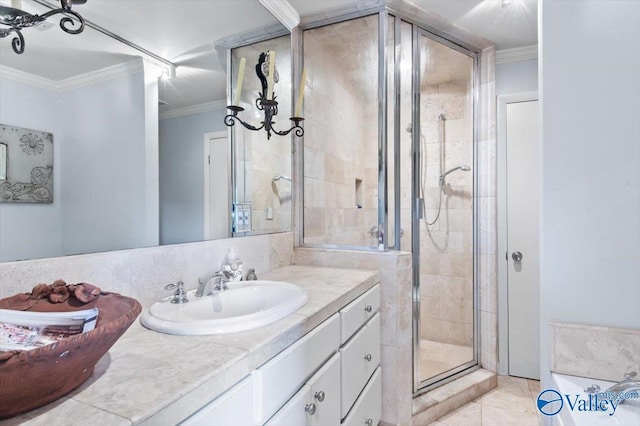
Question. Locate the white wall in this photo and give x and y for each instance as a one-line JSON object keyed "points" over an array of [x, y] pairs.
{"points": [[105, 168], [182, 177], [31, 230], [590, 232], [517, 77]]}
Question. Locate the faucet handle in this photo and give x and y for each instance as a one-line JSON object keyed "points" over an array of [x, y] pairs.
{"points": [[630, 375], [179, 296]]}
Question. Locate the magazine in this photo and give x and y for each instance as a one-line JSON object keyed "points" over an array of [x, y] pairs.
{"points": [[30, 330]]}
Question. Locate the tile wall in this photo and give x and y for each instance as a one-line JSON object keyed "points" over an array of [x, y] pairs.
{"points": [[143, 273], [340, 144]]}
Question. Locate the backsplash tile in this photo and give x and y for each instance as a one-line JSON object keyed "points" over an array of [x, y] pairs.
{"points": [[597, 352], [142, 273]]}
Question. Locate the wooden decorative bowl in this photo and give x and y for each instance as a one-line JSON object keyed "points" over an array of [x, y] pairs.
{"points": [[31, 379]]}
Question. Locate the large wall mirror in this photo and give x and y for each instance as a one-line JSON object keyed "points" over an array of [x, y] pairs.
{"points": [[141, 161]]}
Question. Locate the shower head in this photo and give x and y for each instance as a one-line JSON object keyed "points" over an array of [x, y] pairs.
{"points": [[464, 168]]}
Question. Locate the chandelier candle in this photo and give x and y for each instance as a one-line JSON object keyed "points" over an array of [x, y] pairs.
{"points": [[236, 100], [303, 83], [272, 69]]}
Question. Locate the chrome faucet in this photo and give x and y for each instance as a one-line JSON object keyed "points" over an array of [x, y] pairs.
{"points": [[218, 281], [628, 384]]}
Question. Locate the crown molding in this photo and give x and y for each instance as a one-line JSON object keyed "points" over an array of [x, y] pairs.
{"points": [[100, 76], [193, 109], [26, 78], [283, 11], [94, 77], [516, 54]]}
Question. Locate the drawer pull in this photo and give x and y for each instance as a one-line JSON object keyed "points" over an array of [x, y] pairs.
{"points": [[368, 308], [369, 422], [319, 396], [310, 409], [367, 357]]}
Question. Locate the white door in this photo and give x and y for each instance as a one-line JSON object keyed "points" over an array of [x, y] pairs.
{"points": [[521, 254], [217, 186]]}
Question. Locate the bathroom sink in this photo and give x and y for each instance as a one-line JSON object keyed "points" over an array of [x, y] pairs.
{"points": [[245, 306]]}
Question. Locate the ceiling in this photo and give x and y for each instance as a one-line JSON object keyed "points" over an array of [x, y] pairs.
{"points": [[184, 32]]}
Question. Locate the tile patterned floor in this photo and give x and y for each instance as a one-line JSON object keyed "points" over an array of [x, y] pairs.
{"points": [[511, 403], [440, 357]]}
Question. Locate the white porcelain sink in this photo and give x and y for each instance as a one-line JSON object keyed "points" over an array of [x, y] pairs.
{"points": [[245, 306]]}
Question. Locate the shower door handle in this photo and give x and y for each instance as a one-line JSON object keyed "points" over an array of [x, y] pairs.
{"points": [[516, 256], [420, 208]]}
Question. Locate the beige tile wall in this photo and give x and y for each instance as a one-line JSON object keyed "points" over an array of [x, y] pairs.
{"points": [[603, 353], [143, 273], [340, 143], [446, 247]]}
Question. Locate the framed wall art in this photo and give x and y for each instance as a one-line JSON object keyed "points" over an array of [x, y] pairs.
{"points": [[26, 165]]}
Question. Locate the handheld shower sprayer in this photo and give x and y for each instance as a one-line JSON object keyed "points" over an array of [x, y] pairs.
{"points": [[464, 168]]}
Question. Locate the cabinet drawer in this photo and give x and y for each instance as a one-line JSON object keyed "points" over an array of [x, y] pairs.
{"points": [[234, 407], [277, 380], [309, 407], [325, 393], [356, 313], [293, 413], [359, 358], [369, 404]]}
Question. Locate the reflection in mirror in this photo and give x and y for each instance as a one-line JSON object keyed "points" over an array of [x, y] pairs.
{"points": [[115, 185], [263, 191], [3, 161]]}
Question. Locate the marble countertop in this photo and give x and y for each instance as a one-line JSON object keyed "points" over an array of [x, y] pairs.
{"points": [[159, 379]]}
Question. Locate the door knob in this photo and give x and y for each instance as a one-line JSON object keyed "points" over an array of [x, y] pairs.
{"points": [[310, 409], [517, 256]]}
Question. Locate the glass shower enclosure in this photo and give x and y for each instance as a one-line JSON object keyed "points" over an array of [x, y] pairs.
{"points": [[389, 164]]}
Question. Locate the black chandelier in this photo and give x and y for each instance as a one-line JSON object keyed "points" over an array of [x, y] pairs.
{"points": [[16, 19], [266, 100]]}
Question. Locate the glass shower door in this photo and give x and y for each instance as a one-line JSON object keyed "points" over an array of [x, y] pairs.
{"points": [[443, 245]]}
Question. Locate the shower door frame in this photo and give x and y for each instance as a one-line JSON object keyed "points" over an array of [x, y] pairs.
{"points": [[419, 385]]}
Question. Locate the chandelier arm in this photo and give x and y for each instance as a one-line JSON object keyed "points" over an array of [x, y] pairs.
{"points": [[230, 119], [17, 43], [299, 131], [66, 23]]}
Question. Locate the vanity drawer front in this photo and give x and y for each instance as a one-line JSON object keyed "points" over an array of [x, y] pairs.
{"points": [[359, 358], [325, 393], [369, 404], [232, 408], [309, 406], [293, 412], [356, 313], [278, 379]]}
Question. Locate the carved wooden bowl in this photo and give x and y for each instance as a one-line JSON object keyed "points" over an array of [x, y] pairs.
{"points": [[30, 379]]}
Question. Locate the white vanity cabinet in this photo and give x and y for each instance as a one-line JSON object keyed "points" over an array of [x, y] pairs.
{"points": [[329, 377], [360, 382], [360, 357], [317, 403], [232, 408], [367, 410], [281, 377]]}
